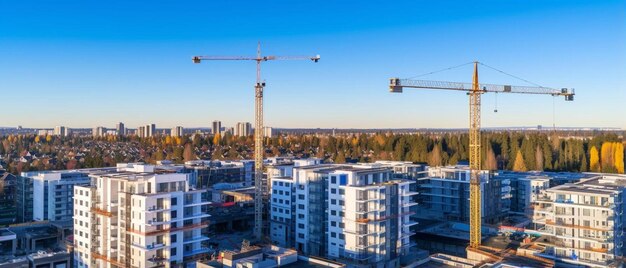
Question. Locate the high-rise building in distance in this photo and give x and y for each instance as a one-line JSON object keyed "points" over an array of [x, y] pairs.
{"points": [[217, 127], [177, 131], [121, 130], [61, 131], [243, 129], [98, 131], [268, 132]]}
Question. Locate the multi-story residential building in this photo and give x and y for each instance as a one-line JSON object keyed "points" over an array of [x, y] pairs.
{"points": [[217, 127], [177, 131], [444, 195], [150, 130], [61, 131], [243, 129], [526, 186], [357, 214], [98, 131], [141, 131], [53, 192], [121, 130], [583, 223], [24, 199], [8, 192], [139, 216]]}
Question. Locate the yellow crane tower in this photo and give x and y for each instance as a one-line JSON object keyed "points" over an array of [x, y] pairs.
{"points": [[474, 91], [260, 188]]}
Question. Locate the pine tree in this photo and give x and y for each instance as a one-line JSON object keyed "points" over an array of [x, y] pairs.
{"points": [[519, 164]]}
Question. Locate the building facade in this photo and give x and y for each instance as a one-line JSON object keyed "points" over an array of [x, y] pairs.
{"points": [[356, 214], [61, 131], [120, 128], [243, 129], [583, 223], [53, 192], [177, 131], [139, 216], [444, 195], [217, 127]]}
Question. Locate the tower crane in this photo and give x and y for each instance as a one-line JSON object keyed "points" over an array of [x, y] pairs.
{"points": [[260, 188], [474, 90]]}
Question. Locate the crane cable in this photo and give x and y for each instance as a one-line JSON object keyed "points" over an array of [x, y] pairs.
{"points": [[446, 69], [503, 72]]}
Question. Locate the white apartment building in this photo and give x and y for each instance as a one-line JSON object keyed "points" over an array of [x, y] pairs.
{"points": [[268, 132], [177, 131], [357, 214], [139, 216], [582, 223], [98, 131], [216, 127], [61, 131], [53, 192], [243, 129]]}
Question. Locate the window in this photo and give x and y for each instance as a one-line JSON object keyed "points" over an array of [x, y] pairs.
{"points": [[342, 236], [333, 179], [333, 223], [341, 203], [333, 201], [343, 179], [300, 206], [333, 234], [333, 212], [173, 252], [174, 201], [333, 191], [342, 191], [300, 225], [174, 214], [301, 196], [300, 235]]}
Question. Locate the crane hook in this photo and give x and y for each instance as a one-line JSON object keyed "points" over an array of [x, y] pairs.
{"points": [[496, 109]]}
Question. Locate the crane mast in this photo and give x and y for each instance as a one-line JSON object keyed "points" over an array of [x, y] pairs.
{"points": [[261, 187], [474, 91]]}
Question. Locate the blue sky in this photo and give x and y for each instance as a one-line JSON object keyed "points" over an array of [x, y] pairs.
{"points": [[88, 63]]}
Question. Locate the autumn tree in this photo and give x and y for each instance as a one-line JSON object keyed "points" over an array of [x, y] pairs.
{"points": [[519, 164], [435, 157], [618, 153], [538, 158], [594, 160], [606, 157]]}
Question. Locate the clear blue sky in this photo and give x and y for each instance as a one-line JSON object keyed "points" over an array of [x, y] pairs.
{"points": [[88, 63]]}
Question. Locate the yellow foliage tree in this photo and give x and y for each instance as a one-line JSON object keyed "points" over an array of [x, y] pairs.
{"points": [[217, 138], [37, 139], [48, 138], [519, 164], [618, 156], [168, 140], [606, 155], [594, 160]]}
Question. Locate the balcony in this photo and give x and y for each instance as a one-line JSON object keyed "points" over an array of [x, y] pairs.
{"points": [[201, 250], [156, 209], [150, 247], [194, 239]]}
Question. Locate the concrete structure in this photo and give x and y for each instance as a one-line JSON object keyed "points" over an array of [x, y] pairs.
{"points": [[45, 132], [98, 131], [53, 193], [243, 129], [217, 127], [356, 214], [444, 195], [120, 128], [206, 173], [139, 215], [583, 223], [61, 131], [177, 131]]}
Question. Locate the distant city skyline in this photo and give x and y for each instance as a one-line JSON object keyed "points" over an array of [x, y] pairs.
{"points": [[69, 64]]}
